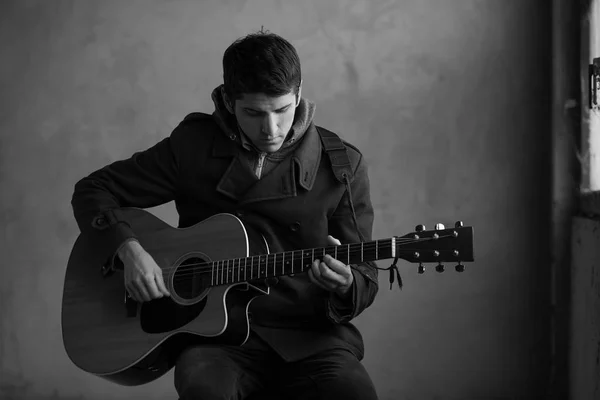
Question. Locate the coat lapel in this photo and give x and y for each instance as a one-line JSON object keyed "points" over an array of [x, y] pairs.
{"points": [[300, 167]]}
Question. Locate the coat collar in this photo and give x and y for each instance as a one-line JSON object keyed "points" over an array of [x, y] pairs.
{"points": [[299, 168]]}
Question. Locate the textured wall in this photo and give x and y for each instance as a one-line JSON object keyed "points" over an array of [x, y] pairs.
{"points": [[449, 102]]}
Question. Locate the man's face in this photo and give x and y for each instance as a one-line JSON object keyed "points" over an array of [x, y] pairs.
{"points": [[266, 120]]}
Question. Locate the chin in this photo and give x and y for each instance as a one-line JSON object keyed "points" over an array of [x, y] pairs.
{"points": [[270, 148]]}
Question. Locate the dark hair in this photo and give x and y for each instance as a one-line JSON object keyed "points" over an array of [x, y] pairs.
{"points": [[261, 62]]}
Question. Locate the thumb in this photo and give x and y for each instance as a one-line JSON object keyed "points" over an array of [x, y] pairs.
{"points": [[333, 240]]}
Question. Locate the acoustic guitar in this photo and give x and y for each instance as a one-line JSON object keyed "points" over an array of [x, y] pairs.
{"points": [[213, 271]]}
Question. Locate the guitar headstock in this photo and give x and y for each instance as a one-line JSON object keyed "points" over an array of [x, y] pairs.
{"points": [[437, 246]]}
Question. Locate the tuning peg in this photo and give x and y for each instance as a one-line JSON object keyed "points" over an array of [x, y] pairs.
{"points": [[458, 224], [439, 267], [439, 227], [420, 228], [459, 267], [421, 268]]}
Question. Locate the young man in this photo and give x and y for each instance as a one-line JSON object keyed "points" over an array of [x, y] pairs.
{"points": [[258, 156]]}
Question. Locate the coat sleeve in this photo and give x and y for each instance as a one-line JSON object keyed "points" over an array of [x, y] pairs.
{"points": [[147, 179], [341, 226]]}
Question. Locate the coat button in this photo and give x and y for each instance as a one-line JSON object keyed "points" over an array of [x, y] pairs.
{"points": [[99, 223], [295, 226]]}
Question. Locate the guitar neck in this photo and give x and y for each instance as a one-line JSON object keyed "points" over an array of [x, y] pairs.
{"points": [[245, 269]]}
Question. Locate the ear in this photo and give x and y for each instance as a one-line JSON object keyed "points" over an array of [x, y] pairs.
{"points": [[299, 95], [227, 101]]}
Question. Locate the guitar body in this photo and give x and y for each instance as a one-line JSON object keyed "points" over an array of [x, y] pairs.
{"points": [[132, 344]]}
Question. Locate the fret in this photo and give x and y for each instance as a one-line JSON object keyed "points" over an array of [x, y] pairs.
{"points": [[233, 269], [335, 252], [246, 268], [283, 263], [260, 271], [212, 274], [252, 267], [376, 250], [274, 264], [239, 269], [348, 249], [217, 274], [226, 269], [227, 272], [230, 271], [362, 254], [222, 271]]}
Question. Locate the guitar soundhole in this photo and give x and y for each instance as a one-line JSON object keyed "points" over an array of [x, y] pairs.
{"points": [[193, 276]]}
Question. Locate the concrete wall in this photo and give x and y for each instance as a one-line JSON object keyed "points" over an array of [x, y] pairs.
{"points": [[449, 101]]}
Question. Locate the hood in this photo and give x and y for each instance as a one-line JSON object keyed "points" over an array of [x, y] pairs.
{"points": [[229, 125]]}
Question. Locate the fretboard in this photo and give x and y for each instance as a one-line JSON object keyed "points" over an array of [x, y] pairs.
{"points": [[245, 269]]}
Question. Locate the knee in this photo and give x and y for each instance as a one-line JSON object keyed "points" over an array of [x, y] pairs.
{"points": [[352, 382]]}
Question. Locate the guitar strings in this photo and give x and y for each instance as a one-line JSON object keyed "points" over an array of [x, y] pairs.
{"points": [[354, 248], [277, 262], [221, 271]]}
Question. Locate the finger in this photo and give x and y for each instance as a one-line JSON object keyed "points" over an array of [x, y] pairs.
{"points": [[160, 283], [150, 283], [315, 269], [141, 287], [328, 276], [311, 276], [314, 280], [133, 292], [333, 240], [337, 266]]}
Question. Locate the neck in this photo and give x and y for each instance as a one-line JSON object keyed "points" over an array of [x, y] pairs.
{"points": [[291, 262]]}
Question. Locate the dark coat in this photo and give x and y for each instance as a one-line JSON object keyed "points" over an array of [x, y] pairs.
{"points": [[295, 206]]}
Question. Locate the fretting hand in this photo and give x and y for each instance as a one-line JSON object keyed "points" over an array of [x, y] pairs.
{"points": [[331, 274]]}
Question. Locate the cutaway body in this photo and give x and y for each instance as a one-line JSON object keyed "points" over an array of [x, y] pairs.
{"points": [[138, 345]]}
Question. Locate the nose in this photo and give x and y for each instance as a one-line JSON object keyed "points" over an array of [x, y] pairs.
{"points": [[269, 125]]}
